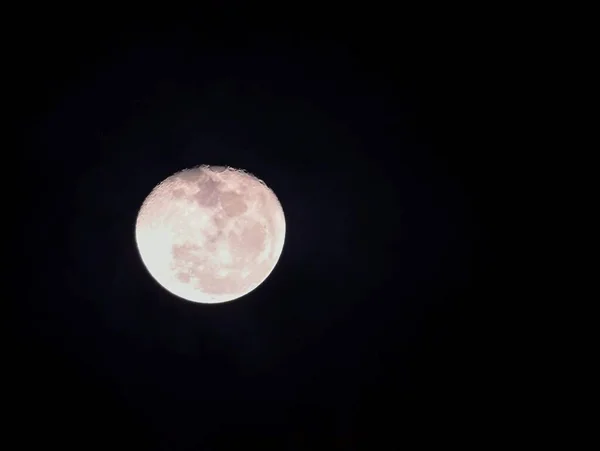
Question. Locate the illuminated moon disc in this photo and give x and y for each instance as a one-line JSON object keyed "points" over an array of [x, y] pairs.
{"points": [[210, 234]]}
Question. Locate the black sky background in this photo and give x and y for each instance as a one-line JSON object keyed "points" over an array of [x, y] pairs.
{"points": [[373, 328]]}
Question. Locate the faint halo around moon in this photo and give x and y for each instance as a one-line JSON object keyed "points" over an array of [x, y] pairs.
{"points": [[210, 234]]}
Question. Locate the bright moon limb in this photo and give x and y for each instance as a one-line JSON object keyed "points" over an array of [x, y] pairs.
{"points": [[210, 234]]}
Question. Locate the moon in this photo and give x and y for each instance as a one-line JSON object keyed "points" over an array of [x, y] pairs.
{"points": [[210, 234]]}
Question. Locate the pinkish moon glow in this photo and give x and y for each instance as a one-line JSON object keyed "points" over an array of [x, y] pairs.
{"points": [[210, 234]]}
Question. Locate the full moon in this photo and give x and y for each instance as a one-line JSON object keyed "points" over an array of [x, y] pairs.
{"points": [[210, 234]]}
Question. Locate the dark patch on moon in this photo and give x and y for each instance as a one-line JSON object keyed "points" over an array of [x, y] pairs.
{"points": [[185, 252], [208, 195], [211, 283], [183, 277], [178, 193], [233, 203], [188, 262], [250, 242], [189, 176], [220, 221]]}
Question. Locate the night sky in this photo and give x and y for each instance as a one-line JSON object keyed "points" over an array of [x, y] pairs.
{"points": [[369, 332]]}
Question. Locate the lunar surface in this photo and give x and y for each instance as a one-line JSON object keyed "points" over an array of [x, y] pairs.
{"points": [[210, 234]]}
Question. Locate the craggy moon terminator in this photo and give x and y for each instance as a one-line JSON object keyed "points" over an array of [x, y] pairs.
{"points": [[210, 234]]}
